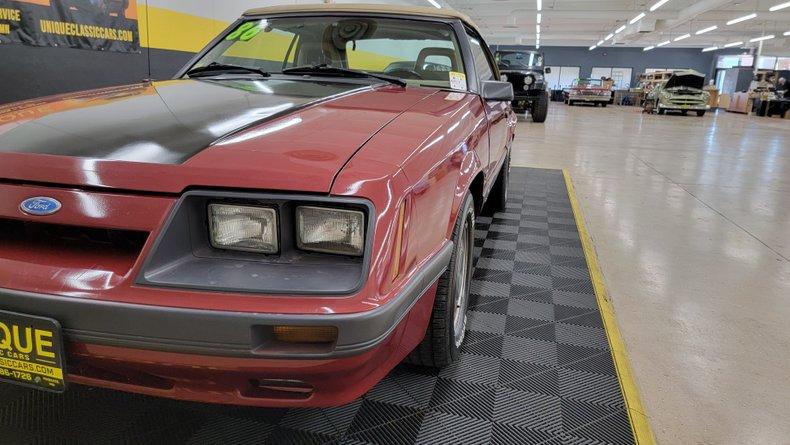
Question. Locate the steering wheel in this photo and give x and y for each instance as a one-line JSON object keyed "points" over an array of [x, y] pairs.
{"points": [[409, 74]]}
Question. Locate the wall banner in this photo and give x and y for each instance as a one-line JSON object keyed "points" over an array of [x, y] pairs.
{"points": [[103, 25]]}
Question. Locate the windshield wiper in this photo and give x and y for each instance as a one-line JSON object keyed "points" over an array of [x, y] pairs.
{"points": [[214, 68], [331, 70]]}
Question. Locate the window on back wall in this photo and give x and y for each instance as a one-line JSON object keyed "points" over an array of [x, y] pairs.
{"points": [[766, 63], [620, 76], [553, 78], [733, 61], [561, 76]]}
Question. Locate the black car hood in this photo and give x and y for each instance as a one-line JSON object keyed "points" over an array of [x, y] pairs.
{"points": [[686, 79], [176, 118]]}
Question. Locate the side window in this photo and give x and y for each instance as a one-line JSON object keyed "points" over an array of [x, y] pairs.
{"points": [[482, 65]]}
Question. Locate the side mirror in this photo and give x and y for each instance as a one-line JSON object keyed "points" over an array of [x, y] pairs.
{"points": [[547, 70], [496, 90]]}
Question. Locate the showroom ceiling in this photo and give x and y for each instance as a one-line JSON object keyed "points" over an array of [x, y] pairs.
{"points": [[586, 22]]}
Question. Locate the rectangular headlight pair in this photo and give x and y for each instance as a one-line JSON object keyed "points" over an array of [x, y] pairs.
{"points": [[318, 229]]}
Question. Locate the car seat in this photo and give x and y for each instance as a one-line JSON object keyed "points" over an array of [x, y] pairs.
{"points": [[421, 63]]}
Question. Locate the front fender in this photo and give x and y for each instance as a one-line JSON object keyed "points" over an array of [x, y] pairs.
{"points": [[470, 168]]}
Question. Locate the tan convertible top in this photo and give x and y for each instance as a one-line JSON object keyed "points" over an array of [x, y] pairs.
{"points": [[365, 7]]}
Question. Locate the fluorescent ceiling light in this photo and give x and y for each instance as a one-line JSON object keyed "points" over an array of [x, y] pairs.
{"points": [[786, 33], [637, 18], [539, 17], [608, 37], [434, 3], [600, 42], [760, 39], [619, 30], [537, 29], [742, 19], [665, 42], [731, 44], [540, 5], [708, 29], [648, 48], [684, 36], [710, 48], [779, 6], [657, 5], [593, 47]]}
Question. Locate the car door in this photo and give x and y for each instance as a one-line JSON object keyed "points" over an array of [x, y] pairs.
{"points": [[497, 112]]}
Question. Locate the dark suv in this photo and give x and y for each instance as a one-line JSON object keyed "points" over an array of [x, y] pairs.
{"points": [[524, 69]]}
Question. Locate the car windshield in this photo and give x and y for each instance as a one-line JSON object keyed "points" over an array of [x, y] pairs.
{"points": [[518, 59], [587, 83], [419, 52]]}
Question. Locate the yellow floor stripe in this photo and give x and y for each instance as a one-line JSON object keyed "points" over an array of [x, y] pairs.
{"points": [[643, 435]]}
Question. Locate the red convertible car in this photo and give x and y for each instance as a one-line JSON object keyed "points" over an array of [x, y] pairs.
{"points": [[279, 225]]}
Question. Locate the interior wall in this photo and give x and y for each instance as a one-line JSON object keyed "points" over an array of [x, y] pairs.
{"points": [[635, 58], [171, 31]]}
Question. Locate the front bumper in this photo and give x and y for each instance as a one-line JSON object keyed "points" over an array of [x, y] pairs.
{"points": [[219, 333], [224, 357], [527, 95], [681, 107], [589, 98]]}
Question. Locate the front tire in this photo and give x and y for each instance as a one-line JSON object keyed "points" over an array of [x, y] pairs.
{"points": [[447, 326], [540, 108], [701, 113], [604, 104]]}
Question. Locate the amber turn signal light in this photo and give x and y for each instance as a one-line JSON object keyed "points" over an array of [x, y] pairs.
{"points": [[305, 334]]}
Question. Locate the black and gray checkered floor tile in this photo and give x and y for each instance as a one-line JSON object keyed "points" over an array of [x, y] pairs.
{"points": [[535, 367]]}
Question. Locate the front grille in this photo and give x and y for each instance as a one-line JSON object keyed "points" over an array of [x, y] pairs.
{"points": [[689, 101], [34, 242], [517, 79]]}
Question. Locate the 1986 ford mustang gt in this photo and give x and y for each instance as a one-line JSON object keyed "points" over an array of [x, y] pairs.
{"points": [[279, 225]]}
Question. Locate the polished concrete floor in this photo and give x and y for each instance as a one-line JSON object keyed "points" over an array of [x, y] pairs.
{"points": [[690, 218]]}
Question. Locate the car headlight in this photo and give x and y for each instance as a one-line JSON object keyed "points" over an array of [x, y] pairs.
{"points": [[528, 80], [246, 228], [328, 230], [503, 77]]}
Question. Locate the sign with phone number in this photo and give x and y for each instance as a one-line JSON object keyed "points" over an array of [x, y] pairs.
{"points": [[31, 351]]}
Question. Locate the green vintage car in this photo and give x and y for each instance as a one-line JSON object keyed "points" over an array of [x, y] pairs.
{"points": [[682, 93]]}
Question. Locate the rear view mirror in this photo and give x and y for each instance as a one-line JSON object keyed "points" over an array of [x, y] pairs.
{"points": [[496, 90], [547, 70]]}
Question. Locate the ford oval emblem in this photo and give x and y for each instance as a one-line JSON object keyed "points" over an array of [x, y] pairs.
{"points": [[40, 205]]}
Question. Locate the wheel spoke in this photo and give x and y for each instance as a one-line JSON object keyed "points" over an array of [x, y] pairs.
{"points": [[462, 278]]}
